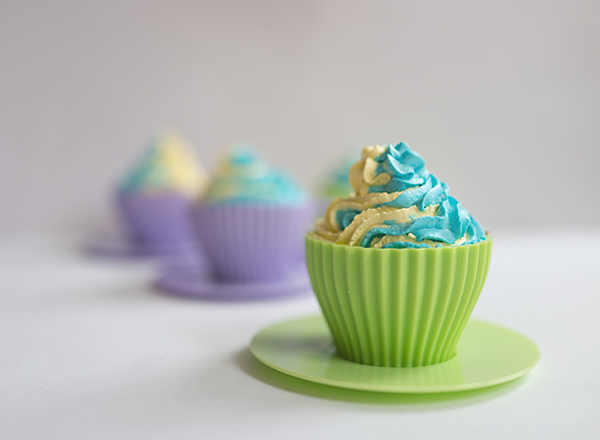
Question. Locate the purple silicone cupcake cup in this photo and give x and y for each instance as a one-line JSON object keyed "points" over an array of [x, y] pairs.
{"points": [[156, 220], [252, 242]]}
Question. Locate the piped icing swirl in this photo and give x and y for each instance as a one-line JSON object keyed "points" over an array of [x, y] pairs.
{"points": [[397, 204], [168, 165], [243, 176]]}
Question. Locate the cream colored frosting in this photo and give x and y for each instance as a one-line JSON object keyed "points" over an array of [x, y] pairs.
{"points": [[167, 165], [397, 203]]}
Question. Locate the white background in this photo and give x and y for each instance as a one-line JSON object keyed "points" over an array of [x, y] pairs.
{"points": [[502, 99], [90, 351]]}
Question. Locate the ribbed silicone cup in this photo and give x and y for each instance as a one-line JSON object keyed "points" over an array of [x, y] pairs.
{"points": [[156, 219], [397, 307], [247, 242]]}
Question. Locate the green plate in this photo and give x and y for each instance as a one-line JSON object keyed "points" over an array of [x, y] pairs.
{"points": [[488, 355]]}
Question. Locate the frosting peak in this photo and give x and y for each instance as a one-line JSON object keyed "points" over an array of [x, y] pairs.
{"points": [[168, 164], [387, 169], [399, 204], [244, 176]]}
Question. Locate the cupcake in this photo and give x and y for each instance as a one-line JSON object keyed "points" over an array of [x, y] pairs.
{"points": [[252, 218], [155, 197], [398, 266], [336, 183]]}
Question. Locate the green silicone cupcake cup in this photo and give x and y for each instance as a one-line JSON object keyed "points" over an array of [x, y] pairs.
{"points": [[397, 307]]}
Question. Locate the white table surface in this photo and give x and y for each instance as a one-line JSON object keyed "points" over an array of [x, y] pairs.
{"points": [[90, 351]]}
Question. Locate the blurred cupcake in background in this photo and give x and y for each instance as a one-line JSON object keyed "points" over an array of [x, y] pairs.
{"points": [[252, 218], [154, 199], [336, 184]]}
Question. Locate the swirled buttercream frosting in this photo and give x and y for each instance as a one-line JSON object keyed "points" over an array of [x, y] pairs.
{"points": [[397, 204], [168, 165], [243, 176]]}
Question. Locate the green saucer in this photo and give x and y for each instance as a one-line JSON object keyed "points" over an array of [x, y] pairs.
{"points": [[487, 355]]}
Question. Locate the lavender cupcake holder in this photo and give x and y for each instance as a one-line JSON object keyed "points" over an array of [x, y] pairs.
{"points": [[252, 243], [156, 221]]}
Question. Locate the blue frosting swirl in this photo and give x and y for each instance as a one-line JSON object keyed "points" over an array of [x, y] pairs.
{"points": [[421, 189], [429, 215], [406, 168], [450, 223], [245, 177]]}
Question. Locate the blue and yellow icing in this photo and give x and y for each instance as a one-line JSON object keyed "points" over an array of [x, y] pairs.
{"points": [[397, 204], [168, 165], [243, 176]]}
